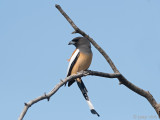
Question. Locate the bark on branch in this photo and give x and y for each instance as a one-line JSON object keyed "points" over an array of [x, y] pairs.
{"points": [[61, 83], [121, 79], [116, 74]]}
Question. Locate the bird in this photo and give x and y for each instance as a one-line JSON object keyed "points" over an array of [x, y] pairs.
{"points": [[80, 60]]}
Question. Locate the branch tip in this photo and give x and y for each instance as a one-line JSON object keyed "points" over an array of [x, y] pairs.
{"points": [[74, 32], [47, 97], [25, 104], [56, 5]]}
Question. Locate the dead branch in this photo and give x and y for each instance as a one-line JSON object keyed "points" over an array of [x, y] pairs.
{"points": [[61, 83], [121, 79]]}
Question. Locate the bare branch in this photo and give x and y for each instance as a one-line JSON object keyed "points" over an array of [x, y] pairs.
{"points": [[121, 79], [77, 30], [141, 92], [62, 82], [117, 74]]}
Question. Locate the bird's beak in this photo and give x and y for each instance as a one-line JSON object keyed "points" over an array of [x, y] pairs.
{"points": [[71, 43]]}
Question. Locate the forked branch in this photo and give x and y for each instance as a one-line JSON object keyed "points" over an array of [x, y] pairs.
{"points": [[62, 82], [121, 79], [116, 74]]}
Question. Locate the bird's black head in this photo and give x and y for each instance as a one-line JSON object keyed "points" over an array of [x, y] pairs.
{"points": [[79, 42], [74, 41]]}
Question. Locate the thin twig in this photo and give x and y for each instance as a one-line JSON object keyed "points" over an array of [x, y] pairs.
{"points": [[121, 79], [62, 82]]}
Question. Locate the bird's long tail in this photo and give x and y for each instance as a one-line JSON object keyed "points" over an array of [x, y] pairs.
{"points": [[84, 92]]}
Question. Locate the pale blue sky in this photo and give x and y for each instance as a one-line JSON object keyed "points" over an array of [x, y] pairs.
{"points": [[34, 53]]}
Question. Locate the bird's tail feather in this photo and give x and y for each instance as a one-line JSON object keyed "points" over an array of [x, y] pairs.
{"points": [[84, 92], [82, 87]]}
